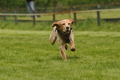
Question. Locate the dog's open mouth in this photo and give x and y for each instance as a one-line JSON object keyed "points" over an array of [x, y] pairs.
{"points": [[67, 31]]}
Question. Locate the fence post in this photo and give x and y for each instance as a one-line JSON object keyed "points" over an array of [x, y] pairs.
{"points": [[4, 17], [34, 21], [54, 18], [75, 18], [98, 16], [16, 22]]}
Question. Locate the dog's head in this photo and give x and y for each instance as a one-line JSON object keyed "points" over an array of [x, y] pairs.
{"points": [[64, 25]]}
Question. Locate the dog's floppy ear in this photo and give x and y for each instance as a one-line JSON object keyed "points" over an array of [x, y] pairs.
{"points": [[57, 24], [71, 21]]}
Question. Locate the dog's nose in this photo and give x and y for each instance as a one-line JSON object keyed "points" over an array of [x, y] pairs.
{"points": [[67, 27]]}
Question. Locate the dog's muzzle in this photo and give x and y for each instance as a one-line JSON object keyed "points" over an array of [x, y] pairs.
{"points": [[68, 29]]}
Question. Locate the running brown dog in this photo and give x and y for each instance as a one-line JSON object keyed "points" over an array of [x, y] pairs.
{"points": [[62, 31]]}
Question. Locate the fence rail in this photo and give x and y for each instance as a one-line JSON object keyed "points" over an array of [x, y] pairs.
{"points": [[54, 15]]}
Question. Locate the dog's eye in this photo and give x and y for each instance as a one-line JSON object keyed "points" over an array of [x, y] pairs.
{"points": [[63, 24], [68, 23]]}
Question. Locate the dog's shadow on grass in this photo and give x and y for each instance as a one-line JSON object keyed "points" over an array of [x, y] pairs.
{"points": [[73, 57], [68, 57]]}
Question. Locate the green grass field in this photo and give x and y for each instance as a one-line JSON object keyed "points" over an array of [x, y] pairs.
{"points": [[28, 55]]}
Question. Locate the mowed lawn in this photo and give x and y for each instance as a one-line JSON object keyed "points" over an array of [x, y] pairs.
{"points": [[28, 55]]}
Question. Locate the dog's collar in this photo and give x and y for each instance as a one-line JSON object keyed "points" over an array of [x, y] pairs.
{"points": [[64, 36]]}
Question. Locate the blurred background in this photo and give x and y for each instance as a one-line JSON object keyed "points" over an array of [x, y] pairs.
{"points": [[84, 12]]}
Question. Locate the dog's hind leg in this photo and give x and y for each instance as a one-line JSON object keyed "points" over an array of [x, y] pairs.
{"points": [[63, 52], [66, 46]]}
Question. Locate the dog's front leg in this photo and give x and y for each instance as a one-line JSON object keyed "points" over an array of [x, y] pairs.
{"points": [[72, 44], [63, 52], [53, 37]]}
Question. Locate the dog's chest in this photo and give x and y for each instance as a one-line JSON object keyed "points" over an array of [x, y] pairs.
{"points": [[64, 36]]}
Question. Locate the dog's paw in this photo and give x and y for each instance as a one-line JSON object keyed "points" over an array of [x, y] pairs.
{"points": [[72, 49]]}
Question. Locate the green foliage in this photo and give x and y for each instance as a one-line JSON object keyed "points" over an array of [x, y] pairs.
{"points": [[28, 55]]}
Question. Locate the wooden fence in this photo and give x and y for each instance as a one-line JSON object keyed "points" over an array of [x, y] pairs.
{"points": [[4, 15]]}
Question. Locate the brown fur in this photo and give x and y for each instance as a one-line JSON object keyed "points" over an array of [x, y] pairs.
{"points": [[63, 32]]}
